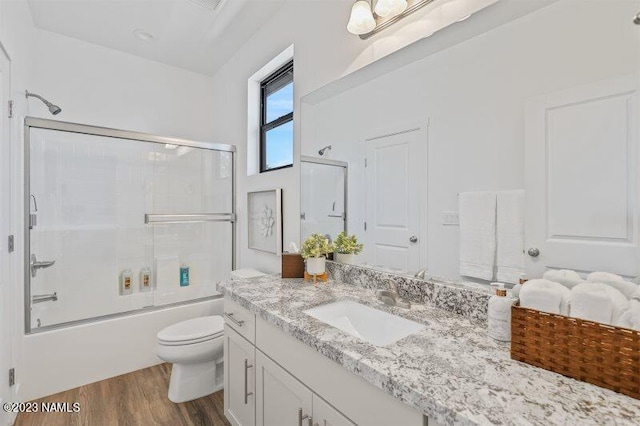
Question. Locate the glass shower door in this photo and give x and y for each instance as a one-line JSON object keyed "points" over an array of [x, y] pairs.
{"points": [[323, 198], [88, 195], [118, 225], [192, 222]]}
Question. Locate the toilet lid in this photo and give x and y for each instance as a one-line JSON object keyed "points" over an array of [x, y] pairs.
{"points": [[193, 329]]}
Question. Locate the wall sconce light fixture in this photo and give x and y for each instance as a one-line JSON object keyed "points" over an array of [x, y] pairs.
{"points": [[370, 17]]}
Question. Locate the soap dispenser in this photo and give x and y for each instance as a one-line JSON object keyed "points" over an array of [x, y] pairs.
{"points": [[500, 314]]}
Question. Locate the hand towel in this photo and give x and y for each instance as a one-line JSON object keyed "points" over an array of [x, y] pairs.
{"points": [[597, 302], [631, 317], [510, 235], [566, 277], [545, 296], [616, 281], [477, 234]]}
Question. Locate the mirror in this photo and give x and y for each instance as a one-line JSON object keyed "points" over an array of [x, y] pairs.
{"points": [[546, 104]]}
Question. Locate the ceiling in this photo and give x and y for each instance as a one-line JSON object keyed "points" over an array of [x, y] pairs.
{"points": [[185, 33]]}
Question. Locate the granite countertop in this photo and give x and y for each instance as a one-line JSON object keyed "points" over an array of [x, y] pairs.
{"points": [[451, 371]]}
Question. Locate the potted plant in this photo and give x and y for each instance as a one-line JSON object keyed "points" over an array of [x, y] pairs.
{"points": [[346, 247], [314, 251]]}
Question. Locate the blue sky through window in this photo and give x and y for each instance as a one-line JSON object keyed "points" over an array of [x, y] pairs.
{"points": [[280, 146], [280, 103]]}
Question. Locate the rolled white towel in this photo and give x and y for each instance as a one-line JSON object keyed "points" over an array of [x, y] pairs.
{"points": [[631, 317], [616, 281], [635, 295], [566, 277], [597, 302], [545, 296]]}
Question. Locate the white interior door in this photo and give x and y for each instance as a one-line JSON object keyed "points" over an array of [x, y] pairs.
{"points": [[582, 179], [395, 188], [6, 310]]}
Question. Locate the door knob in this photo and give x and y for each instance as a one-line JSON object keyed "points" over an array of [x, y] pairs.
{"points": [[413, 239], [636, 19], [533, 252]]}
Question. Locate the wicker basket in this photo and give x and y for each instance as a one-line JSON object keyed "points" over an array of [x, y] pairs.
{"points": [[595, 353]]}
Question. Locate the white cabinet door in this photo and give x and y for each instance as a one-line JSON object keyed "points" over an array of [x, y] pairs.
{"points": [[325, 415], [281, 400], [582, 179], [239, 379]]}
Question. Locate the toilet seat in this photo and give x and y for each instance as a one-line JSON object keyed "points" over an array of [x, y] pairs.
{"points": [[192, 331]]}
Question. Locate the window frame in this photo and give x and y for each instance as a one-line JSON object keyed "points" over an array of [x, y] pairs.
{"points": [[284, 73]]}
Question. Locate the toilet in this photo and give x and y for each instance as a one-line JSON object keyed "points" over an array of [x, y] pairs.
{"points": [[195, 348]]}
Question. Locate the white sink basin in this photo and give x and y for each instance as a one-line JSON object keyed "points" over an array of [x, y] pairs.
{"points": [[372, 325]]}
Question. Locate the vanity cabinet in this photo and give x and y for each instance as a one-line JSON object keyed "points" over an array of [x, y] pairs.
{"points": [[239, 379], [272, 379]]}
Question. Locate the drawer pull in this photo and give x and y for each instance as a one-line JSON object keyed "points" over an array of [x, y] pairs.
{"points": [[247, 366], [305, 417], [230, 316]]}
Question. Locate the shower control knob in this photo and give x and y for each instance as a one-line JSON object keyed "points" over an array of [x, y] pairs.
{"points": [[533, 252], [413, 239]]}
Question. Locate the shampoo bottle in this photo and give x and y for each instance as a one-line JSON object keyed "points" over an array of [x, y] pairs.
{"points": [[145, 279], [184, 275], [500, 314], [126, 286]]}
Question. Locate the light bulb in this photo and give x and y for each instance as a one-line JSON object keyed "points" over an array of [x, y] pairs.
{"points": [[361, 20], [389, 8]]}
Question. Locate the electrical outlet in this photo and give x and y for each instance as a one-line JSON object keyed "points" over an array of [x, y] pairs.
{"points": [[450, 218]]}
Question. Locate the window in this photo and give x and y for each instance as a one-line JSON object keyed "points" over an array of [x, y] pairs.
{"points": [[276, 120]]}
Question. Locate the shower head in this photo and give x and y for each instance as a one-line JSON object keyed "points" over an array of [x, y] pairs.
{"points": [[325, 149], [53, 109]]}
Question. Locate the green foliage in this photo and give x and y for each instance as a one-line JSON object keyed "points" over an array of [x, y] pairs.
{"points": [[347, 244], [317, 245]]}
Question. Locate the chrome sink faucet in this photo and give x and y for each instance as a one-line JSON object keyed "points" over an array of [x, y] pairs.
{"points": [[391, 297], [420, 274]]}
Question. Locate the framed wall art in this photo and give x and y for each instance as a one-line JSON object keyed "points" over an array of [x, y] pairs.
{"points": [[265, 220]]}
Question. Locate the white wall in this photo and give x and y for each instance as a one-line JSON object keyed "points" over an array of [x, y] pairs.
{"points": [[474, 95], [98, 86]]}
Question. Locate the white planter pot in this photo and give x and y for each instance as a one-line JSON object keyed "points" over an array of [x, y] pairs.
{"points": [[315, 265], [349, 259]]}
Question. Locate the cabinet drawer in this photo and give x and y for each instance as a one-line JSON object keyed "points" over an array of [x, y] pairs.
{"points": [[240, 319]]}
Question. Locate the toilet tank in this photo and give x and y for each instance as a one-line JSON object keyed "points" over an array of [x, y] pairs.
{"points": [[240, 274]]}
